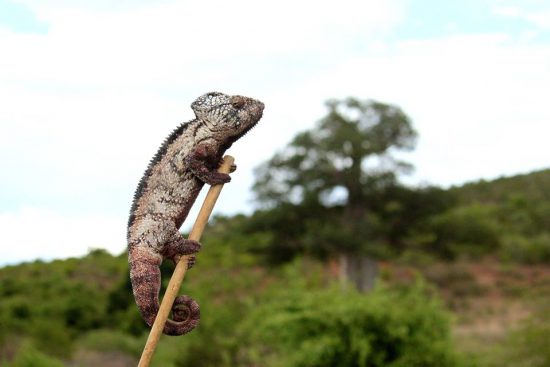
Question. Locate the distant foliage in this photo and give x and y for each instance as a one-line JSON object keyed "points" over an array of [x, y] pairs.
{"points": [[519, 206], [258, 315], [523, 201], [29, 356], [324, 177], [351, 149], [530, 250], [388, 327], [333, 190], [52, 303], [470, 230]]}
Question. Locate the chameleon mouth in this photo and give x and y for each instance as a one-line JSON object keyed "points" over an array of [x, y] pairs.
{"points": [[256, 110]]}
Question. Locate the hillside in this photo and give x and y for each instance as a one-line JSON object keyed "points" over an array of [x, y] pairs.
{"points": [[520, 211], [531, 187], [485, 308]]}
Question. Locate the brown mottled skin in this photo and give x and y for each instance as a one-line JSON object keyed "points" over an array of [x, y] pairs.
{"points": [[186, 161]]}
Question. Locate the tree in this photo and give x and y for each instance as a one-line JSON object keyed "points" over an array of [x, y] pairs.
{"points": [[335, 168], [348, 152]]}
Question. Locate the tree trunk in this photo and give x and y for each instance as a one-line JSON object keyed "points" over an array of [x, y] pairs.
{"points": [[359, 270]]}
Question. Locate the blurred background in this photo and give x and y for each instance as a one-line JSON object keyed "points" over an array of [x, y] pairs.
{"points": [[391, 208]]}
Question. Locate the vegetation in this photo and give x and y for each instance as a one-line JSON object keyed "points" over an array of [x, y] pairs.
{"points": [[81, 311], [248, 312], [462, 275], [391, 327], [334, 156]]}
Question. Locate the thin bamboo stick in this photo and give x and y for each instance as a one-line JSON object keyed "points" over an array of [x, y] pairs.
{"points": [[181, 268]]}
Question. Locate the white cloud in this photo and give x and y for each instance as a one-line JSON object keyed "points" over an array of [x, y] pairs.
{"points": [[167, 42], [33, 233], [478, 101], [539, 17], [86, 105]]}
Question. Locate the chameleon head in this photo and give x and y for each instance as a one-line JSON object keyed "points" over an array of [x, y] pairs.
{"points": [[228, 116]]}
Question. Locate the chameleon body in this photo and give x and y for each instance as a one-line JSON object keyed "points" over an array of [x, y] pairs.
{"points": [[187, 159]]}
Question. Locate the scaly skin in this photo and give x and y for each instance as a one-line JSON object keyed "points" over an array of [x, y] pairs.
{"points": [[187, 160]]}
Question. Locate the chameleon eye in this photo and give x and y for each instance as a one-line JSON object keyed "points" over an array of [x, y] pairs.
{"points": [[237, 102]]}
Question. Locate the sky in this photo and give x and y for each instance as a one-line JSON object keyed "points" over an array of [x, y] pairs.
{"points": [[89, 90]]}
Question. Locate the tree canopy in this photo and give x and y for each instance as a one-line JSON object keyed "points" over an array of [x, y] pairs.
{"points": [[349, 152], [333, 178]]}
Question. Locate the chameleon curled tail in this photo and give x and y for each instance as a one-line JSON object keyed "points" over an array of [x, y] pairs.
{"points": [[145, 278]]}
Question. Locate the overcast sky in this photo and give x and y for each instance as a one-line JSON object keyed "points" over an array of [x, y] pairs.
{"points": [[88, 91]]}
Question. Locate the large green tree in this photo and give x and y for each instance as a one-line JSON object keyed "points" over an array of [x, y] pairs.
{"points": [[334, 174], [348, 153]]}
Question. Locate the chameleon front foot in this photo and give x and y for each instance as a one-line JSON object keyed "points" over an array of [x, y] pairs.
{"points": [[180, 247]]}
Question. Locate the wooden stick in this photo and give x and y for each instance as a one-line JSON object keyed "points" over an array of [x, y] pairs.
{"points": [[181, 268]]}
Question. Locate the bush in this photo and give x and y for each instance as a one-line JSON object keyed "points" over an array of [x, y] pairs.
{"points": [[528, 250], [111, 341], [468, 230], [83, 313], [52, 338], [388, 328], [28, 356]]}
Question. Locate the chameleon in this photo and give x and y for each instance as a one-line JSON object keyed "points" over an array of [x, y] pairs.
{"points": [[187, 159]]}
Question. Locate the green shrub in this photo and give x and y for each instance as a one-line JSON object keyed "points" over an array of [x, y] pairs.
{"points": [[111, 341], [528, 250], [28, 356], [468, 230], [388, 327], [84, 312], [51, 337]]}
